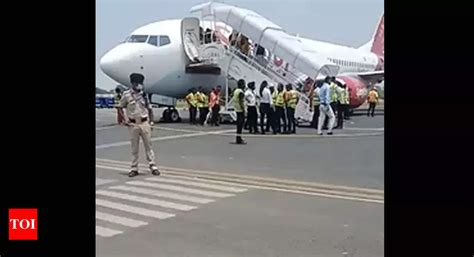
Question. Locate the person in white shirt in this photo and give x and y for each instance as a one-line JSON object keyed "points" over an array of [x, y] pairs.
{"points": [[266, 103], [251, 101]]}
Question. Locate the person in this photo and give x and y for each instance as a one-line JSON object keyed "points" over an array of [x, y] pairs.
{"points": [[260, 55], [343, 104], [233, 38], [316, 102], [325, 107], [265, 105], [347, 113], [207, 36], [373, 100], [251, 101], [202, 105], [334, 94], [199, 104], [291, 100], [201, 35], [191, 100], [239, 107], [118, 96], [280, 109], [214, 100], [272, 112], [244, 46], [139, 119]]}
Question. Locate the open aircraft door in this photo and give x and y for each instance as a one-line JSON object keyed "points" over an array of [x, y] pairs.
{"points": [[190, 38]]}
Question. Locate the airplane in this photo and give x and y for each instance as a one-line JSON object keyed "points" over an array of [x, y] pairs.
{"points": [[157, 50]]}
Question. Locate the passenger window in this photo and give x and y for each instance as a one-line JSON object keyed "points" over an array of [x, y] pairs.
{"points": [[153, 40], [164, 40]]}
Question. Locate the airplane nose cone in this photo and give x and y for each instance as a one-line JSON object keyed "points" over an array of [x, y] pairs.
{"points": [[121, 61], [109, 63]]}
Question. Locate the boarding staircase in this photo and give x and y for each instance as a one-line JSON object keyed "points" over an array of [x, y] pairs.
{"points": [[237, 66], [219, 58]]}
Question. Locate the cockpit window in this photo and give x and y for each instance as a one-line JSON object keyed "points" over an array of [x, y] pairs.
{"points": [[153, 40], [164, 40], [137, 38]]}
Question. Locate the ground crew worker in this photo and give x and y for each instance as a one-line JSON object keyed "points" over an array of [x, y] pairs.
{"points": [[265, 105], [272, 112], [199, 104], [205, 108], [343, 104], [214, 100], [280, 109], [334, 95], [316, 104], [373, 100], [239, 107], [291, 101], [251, 101], [191, 100], [202, 105], [325, 107], [118, 96], [139, 119]]}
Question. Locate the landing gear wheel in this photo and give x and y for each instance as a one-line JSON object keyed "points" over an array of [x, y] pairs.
{"points": [[166, 115], [171, 115], [174, 116]]}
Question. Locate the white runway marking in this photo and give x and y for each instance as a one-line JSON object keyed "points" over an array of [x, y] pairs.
{"points": [[106, 232], [165, 204], [362, 129], [164, 194], [119, 220], [122, 143], [101, 181], [106, 127], [181, 189], [132, 209], [199, 184]]}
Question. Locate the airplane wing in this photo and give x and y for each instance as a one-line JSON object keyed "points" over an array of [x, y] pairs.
{"points": [[372, 76]]}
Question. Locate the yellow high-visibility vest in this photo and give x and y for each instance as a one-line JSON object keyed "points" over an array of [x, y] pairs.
{"points": [[191, 100], [280, 100], [344, 96], [292, 99], [199, 100], [235, 100], [334, 94]]}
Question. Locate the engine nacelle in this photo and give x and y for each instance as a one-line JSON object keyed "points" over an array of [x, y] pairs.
{"points": [[357, 91]]}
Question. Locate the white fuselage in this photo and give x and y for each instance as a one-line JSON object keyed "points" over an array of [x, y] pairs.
{"points": [[163, 64]]}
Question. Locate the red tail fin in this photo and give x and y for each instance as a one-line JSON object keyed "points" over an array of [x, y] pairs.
{"points": [[378, 40]]}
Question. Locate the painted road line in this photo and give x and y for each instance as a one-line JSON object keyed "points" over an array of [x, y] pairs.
{"points": [[233, 175], [123, 143], [145, 200], [132, 209], [101, 181], [198, 184], [106, 232], [119, 220], [180, 189], [164, 194]]}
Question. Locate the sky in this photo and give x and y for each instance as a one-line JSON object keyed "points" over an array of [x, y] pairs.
{"points": [[346, 22]]}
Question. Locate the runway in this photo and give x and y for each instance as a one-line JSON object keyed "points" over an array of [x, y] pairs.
{"points": [[279, 195]]}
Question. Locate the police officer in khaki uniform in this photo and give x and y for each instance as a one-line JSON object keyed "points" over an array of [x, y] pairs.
{"points": [[139, 119]]}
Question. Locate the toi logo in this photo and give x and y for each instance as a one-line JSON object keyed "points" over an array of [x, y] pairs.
{"points": [[23, 224]]}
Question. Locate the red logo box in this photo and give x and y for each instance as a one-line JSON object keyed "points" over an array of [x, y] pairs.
{"points": [[23, 224]]}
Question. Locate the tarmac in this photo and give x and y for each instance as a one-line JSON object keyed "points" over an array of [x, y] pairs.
{"points": [[279, 195]]}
